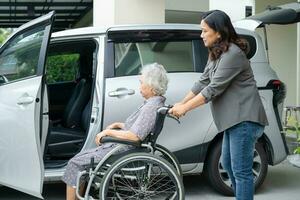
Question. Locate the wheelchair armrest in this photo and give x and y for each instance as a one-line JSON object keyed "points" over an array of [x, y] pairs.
{"points": [[106, 139]]}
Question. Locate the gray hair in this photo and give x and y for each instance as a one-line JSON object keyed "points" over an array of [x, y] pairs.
{"points": [[155, 76]]}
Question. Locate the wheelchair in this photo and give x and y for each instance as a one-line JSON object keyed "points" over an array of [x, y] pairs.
{"points": [[145, 171]]}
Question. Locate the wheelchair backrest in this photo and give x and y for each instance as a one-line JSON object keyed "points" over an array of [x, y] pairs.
{"points": [[162, 112]]}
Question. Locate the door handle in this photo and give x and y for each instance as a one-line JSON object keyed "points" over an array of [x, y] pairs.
{"points": [[121, 92], [25, 100]]}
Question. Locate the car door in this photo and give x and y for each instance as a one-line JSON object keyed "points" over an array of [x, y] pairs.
{"points": [[22, 59], [122, 96]]}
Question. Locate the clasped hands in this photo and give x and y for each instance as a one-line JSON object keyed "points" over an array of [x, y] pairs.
{"points": [[178, 110]]}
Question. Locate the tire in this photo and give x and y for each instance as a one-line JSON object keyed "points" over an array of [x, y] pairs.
{"points": [[169, 156], [218, 177], [130, 178]]}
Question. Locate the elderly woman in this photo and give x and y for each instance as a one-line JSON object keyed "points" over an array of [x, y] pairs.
{"points": [[153, 85]]}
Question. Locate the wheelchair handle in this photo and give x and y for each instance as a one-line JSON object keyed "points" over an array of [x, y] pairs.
{"points": [[173, 117], [165, 111]]}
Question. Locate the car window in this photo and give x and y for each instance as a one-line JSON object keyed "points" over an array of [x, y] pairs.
{"points": [[176, 56], [252, 45], [19, 59], [62, 67]]}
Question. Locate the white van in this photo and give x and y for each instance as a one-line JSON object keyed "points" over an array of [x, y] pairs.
{"points": [[59, 90]]}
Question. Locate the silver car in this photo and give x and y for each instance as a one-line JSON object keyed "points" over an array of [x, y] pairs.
{"points": [[59, 90]]}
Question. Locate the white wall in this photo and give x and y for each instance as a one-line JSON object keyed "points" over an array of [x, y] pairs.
{"points": [[185, 11], [103, 12], [111, 12], [234, 8], [140, 11], [187, 5], [282, 40]]}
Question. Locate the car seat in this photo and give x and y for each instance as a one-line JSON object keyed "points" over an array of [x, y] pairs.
{"points": [[65, 142]]}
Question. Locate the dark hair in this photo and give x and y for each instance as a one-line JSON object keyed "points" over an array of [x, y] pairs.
{"points": [[220, 22]]}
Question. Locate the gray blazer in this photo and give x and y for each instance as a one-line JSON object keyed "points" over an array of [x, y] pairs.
{"points": [[228, 83]]}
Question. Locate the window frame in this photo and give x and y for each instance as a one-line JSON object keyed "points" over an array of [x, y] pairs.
{"points": [[129, 36], [193, 61], [157, 35], [79, 39], [40, 66]]}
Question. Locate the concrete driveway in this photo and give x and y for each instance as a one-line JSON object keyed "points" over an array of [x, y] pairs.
{"points": [[282, 182]]}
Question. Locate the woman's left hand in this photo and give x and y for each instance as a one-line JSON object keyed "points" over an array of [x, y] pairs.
{"points": [[98, 137]]}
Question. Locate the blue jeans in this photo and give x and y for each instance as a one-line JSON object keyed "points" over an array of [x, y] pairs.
{"points": [[237, 157]]}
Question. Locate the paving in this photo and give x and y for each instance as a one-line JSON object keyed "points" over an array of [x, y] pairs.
{"points": [[282, 183]]}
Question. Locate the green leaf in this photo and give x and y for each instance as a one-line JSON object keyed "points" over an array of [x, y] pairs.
{"points": [[297, 150]]}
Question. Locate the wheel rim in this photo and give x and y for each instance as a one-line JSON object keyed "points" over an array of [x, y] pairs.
{"points": [[160, 151], [256, 169], [141, 179]]}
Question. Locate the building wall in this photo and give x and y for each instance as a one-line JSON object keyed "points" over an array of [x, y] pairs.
{"points": [[236, 10], [187, 5], [188, 11], [139, 11], [282, 40], [103, 12], [115, 12]]}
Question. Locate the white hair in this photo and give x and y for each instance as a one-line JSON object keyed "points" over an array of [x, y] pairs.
{"points": [[155, 76]]}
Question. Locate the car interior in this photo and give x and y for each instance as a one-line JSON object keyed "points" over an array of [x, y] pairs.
{"points": [[69, 82]]}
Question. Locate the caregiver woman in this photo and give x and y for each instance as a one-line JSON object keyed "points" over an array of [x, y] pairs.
{"points": [[228, 84]]}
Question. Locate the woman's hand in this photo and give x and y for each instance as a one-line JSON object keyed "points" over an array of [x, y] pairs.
{"points": [[98, 137], [178, 110]]}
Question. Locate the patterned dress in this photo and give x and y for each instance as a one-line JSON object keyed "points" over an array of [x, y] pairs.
{"points": [[140, 122]]}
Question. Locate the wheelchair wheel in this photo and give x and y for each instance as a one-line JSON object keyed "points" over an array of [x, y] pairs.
{"points": [[141, 176], [169, 156]]}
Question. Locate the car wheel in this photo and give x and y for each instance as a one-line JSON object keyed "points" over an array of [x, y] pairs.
{"points": [[219, 178]]}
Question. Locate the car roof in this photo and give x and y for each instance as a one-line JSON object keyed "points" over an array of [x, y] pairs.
{"points": [[105, 29]]}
